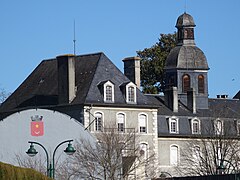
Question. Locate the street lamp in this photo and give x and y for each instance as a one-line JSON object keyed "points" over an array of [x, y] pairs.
{"points": [[50, 165], [221, 168]]}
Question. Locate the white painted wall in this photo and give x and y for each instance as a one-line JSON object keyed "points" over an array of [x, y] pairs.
{"points": [[15, 132]]}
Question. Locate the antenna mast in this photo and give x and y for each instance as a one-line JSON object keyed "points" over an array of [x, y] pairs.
{"points": [[74, 39]]}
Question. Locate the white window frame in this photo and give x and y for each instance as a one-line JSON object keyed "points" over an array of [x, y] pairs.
{"points": [[171, 120], [196, 152], [198, 122], [218, 127], [96, 125], [128, 100], [121, 129], [174, 162], [140, 128], [143, 148], [108, 83], [238, 126]]}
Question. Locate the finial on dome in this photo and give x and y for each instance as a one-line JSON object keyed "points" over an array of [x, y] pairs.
{"points": [[185, 6]]}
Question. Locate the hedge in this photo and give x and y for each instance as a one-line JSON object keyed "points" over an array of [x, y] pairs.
{"points": [[10, 172]]}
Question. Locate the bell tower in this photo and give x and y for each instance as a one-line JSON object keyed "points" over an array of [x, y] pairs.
{"points": [[186, 66]]}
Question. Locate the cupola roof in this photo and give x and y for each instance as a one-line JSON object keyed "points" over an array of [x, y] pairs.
{"points": [[186, 57], [185, 20]]}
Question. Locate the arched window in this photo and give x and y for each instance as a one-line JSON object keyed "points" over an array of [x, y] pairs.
{"points": [[173, 125], [186, 83], [195, 126], [143, 150], [173, 155], [131, 94], [120, 122], [219, 127], [98, 121], [108, 92], [200, 84], [142, 121], [196, 153]]}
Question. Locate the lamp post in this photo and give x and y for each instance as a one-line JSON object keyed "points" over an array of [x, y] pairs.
{"points": [[50, 165], [221, 168]]}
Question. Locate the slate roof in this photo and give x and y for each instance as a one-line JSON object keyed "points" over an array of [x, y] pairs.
{"points": [[237, 96], [186, 57], [40, 88], [225, 109], [185, 20]]}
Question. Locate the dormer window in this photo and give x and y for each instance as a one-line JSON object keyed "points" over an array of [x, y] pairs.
{"points": [[218, 125], [107, 90], [195, 123], [109, 93], [173, 125], [131, 93], [238, 126]]}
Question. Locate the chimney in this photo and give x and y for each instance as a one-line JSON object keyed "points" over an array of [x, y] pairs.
{"points": [[222, 96], [66, 78], [171, 98], [132, 69], [191, 100]]}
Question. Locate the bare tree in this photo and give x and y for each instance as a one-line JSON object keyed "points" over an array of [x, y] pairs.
{"points": [[115, 155], [3, 95], [216, 153], [37, 163]]}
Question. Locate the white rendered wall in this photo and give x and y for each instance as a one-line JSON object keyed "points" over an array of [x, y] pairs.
{"points": [[15, 132]]}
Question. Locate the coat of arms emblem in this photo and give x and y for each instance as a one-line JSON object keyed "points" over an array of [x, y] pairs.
{"points": [[37, 128]]}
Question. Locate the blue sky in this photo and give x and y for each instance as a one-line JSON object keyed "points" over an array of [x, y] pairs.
{"points": [[35, 30]]}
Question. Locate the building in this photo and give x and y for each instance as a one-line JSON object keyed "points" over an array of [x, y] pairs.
{"points": [[186, 113], [92, 91]]}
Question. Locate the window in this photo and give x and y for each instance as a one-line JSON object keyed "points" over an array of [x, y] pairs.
{"points": [[173, 155], [195, 126], [108, 92], [200, 84], [131, 93], [142, 121], [173, 125], [120, 122], [238, 126], [186, 83], [219, 127], [196, 153], [143, 150], [98, 121]]}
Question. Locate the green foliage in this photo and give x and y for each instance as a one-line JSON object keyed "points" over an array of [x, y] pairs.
{"points": [[153, 62], [10, 172]]}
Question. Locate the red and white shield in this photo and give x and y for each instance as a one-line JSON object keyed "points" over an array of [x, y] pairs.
{"points": [[37, 128]]}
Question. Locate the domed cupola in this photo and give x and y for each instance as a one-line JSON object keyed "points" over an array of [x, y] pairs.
{"points": [[185, 20], [186, 66]]}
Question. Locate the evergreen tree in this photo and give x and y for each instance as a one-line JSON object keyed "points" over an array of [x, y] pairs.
{"points": [[153, 62]]}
